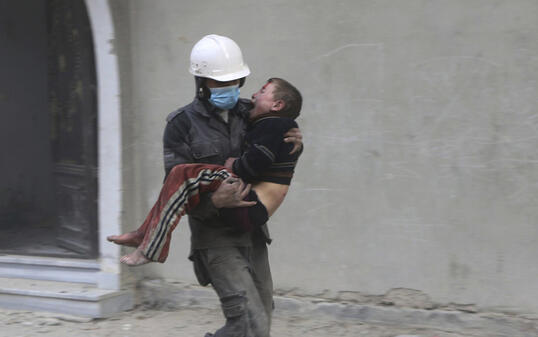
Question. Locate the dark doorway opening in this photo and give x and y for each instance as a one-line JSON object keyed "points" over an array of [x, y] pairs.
{"points": [[48, 130]]}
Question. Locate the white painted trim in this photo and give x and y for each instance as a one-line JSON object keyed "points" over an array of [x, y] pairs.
{"points": [[49, 261], [109, 140], [51, 269]]}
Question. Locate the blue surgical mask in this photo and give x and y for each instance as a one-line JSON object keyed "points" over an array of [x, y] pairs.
{"points": [[224, 97]]}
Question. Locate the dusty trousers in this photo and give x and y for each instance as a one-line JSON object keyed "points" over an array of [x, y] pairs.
{"points": [[241, 277]]}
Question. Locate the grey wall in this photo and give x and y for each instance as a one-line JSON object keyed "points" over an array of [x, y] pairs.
{"points": [[420, 126]]}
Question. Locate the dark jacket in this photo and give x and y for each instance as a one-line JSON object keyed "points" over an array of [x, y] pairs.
{"points": [[196, 134]]}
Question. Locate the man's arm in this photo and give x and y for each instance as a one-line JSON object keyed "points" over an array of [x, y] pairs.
{"points": [[177, 151], [176, 147]]}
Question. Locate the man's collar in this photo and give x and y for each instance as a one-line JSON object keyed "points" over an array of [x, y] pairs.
{"points": [[243, 107], [204, 108]]}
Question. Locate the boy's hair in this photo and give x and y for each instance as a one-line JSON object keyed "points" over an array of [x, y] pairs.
{"points": [[289, 94]]}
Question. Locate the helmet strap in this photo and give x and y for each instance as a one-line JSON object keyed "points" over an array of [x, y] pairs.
{"points": [[202, 92]]}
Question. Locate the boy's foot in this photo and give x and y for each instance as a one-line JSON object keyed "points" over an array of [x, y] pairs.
{"points": [[131, 239], [136, 258]]}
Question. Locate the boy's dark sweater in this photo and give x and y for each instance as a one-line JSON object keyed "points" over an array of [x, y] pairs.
{"points": [[265, 154]]}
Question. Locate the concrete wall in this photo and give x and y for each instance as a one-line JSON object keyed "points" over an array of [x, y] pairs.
{"points": [[420, 126]]}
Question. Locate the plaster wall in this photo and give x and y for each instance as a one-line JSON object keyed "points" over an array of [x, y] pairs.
{"points": [[420, 126]]}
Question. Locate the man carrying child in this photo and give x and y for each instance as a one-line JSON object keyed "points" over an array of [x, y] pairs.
{"points": [[209, 130]]}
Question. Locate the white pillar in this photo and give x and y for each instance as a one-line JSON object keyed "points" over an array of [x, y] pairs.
{"points": [[109, 141]]}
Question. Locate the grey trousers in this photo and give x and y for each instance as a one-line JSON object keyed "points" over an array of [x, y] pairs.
{"points": [[241, 276]]}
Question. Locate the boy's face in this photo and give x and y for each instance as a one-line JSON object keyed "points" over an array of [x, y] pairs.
{"points": [[264, 101]]}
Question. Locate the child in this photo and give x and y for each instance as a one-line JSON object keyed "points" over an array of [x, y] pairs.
{"points": [[266, 162]]}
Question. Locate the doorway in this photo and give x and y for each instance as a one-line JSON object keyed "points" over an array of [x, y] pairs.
{"points": [[48, 130]]}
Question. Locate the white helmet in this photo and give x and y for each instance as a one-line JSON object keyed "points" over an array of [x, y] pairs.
{"points": [[218, 57]]}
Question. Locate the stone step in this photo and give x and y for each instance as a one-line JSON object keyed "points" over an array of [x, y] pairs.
{"points": [[49, 268], [63, 297]]}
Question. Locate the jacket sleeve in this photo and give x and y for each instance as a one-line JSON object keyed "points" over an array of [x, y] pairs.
{"points": [[177, 151], [176, 148], [265, 140]]}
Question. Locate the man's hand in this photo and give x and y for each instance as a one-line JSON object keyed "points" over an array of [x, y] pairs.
{"points": [[231, 193], [296, 137]]}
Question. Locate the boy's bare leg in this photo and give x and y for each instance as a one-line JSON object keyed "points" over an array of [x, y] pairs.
{"points": [[135, 258], [131, 239]]}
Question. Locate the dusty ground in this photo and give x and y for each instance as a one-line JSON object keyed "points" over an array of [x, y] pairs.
{"points": [[146, 322]]}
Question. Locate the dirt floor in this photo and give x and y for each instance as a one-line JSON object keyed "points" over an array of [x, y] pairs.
{"points": [[146, 322]]}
